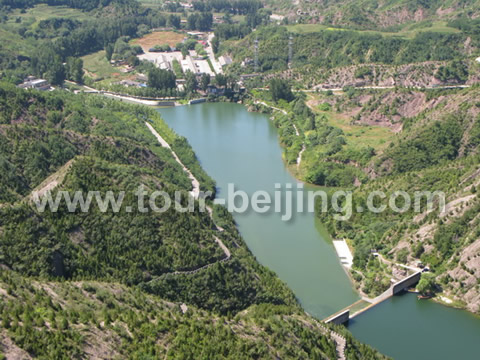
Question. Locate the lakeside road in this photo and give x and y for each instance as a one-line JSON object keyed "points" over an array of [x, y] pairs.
{"points": [[271, 107], [195, 193], [321, 87], [195, 183], [135, 100]]}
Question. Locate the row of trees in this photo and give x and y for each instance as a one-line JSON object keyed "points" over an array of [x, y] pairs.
{"points": [[229, 6], [200, 21], [161, 79], [85, 5], [49, 65]]}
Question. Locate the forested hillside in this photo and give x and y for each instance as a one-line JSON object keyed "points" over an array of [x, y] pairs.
{"points": [[390, 14], [96, 144], [392, 140], [94, 319], [436, 150], [92, 283], [325, 49]]}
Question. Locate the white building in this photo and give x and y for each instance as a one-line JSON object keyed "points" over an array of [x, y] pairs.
{"points": [[33, 83]]}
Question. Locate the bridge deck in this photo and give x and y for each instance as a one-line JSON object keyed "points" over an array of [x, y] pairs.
{"points": [[356, 305], [363, 305]]}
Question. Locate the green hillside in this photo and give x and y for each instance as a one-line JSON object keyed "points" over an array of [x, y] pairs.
{"points": [[48, 320], [110, 148], [437, 150], [368, 14], [110, 284]]}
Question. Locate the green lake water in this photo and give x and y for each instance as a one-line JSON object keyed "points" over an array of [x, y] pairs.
{"points": [[239, 147]]}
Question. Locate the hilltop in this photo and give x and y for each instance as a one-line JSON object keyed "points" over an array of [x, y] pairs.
{"points": [[369, 14]]}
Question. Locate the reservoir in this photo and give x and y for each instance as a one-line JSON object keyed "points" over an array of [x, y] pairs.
{"points": [[237, 147]]}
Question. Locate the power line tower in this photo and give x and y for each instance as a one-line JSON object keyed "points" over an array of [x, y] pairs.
{"points": [[290, 51], [256, 54]]}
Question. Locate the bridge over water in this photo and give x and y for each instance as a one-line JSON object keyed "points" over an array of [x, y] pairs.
{"points": [[360, 306]]}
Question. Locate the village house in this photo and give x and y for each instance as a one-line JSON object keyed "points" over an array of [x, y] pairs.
{"points": [[31, 82]]}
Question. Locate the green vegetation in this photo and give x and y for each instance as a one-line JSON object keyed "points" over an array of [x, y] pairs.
{"points": [[328, 49], [84, 319], [280, 90], [407, 32], [454, 71], [433, 145], [118, 251], [84, 284], [426, 285], [161, 79], [394, 16], [435, 152], [334, 149]]}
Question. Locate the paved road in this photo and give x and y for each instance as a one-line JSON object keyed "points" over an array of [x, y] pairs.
{"points": [[216, 65]]}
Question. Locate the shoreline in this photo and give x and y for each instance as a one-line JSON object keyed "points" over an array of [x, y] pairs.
{"points": [[294, 174], [293, 170]]}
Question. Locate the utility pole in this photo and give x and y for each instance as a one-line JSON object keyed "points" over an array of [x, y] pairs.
{"points": [[290, 51], [256, 54]]}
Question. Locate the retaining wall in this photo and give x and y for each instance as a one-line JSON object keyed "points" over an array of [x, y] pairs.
{"points": [[406, 283], [340, 318]]}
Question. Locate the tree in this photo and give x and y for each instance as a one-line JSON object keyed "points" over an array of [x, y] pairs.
{"points": [[190, 82], [280, 89], [184, 52], [204, 81], [221, 80], [56, 73], [173, 21], [133, 60], [161, 79], [232, 80], [109, 51], [215, 44], [426, 285], [74, 69], [202, 22]]}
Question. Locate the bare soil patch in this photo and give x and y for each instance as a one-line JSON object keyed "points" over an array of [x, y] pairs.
{"points": [[159, 38]]}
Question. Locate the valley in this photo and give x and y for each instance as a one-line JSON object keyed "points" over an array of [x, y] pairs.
{"points": [[127, 126]]}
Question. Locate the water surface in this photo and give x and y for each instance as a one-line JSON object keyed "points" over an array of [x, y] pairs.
{"points": [[239, 147], [406, 328], [235, 146]]}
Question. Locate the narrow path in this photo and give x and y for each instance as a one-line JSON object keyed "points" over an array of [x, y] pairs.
{"points": [[299, 158], [341, 344], [195, 193], [195, 183], [391, 263], [269, 106], [216, 65], [296, 130], [321, 87], [340, 341]]}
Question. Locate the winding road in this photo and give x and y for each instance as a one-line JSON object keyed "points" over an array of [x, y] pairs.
{"points": [[195, 193], [195, 183]]}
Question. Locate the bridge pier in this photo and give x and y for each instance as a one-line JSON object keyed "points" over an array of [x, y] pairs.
{"points": [[339, 319]]}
